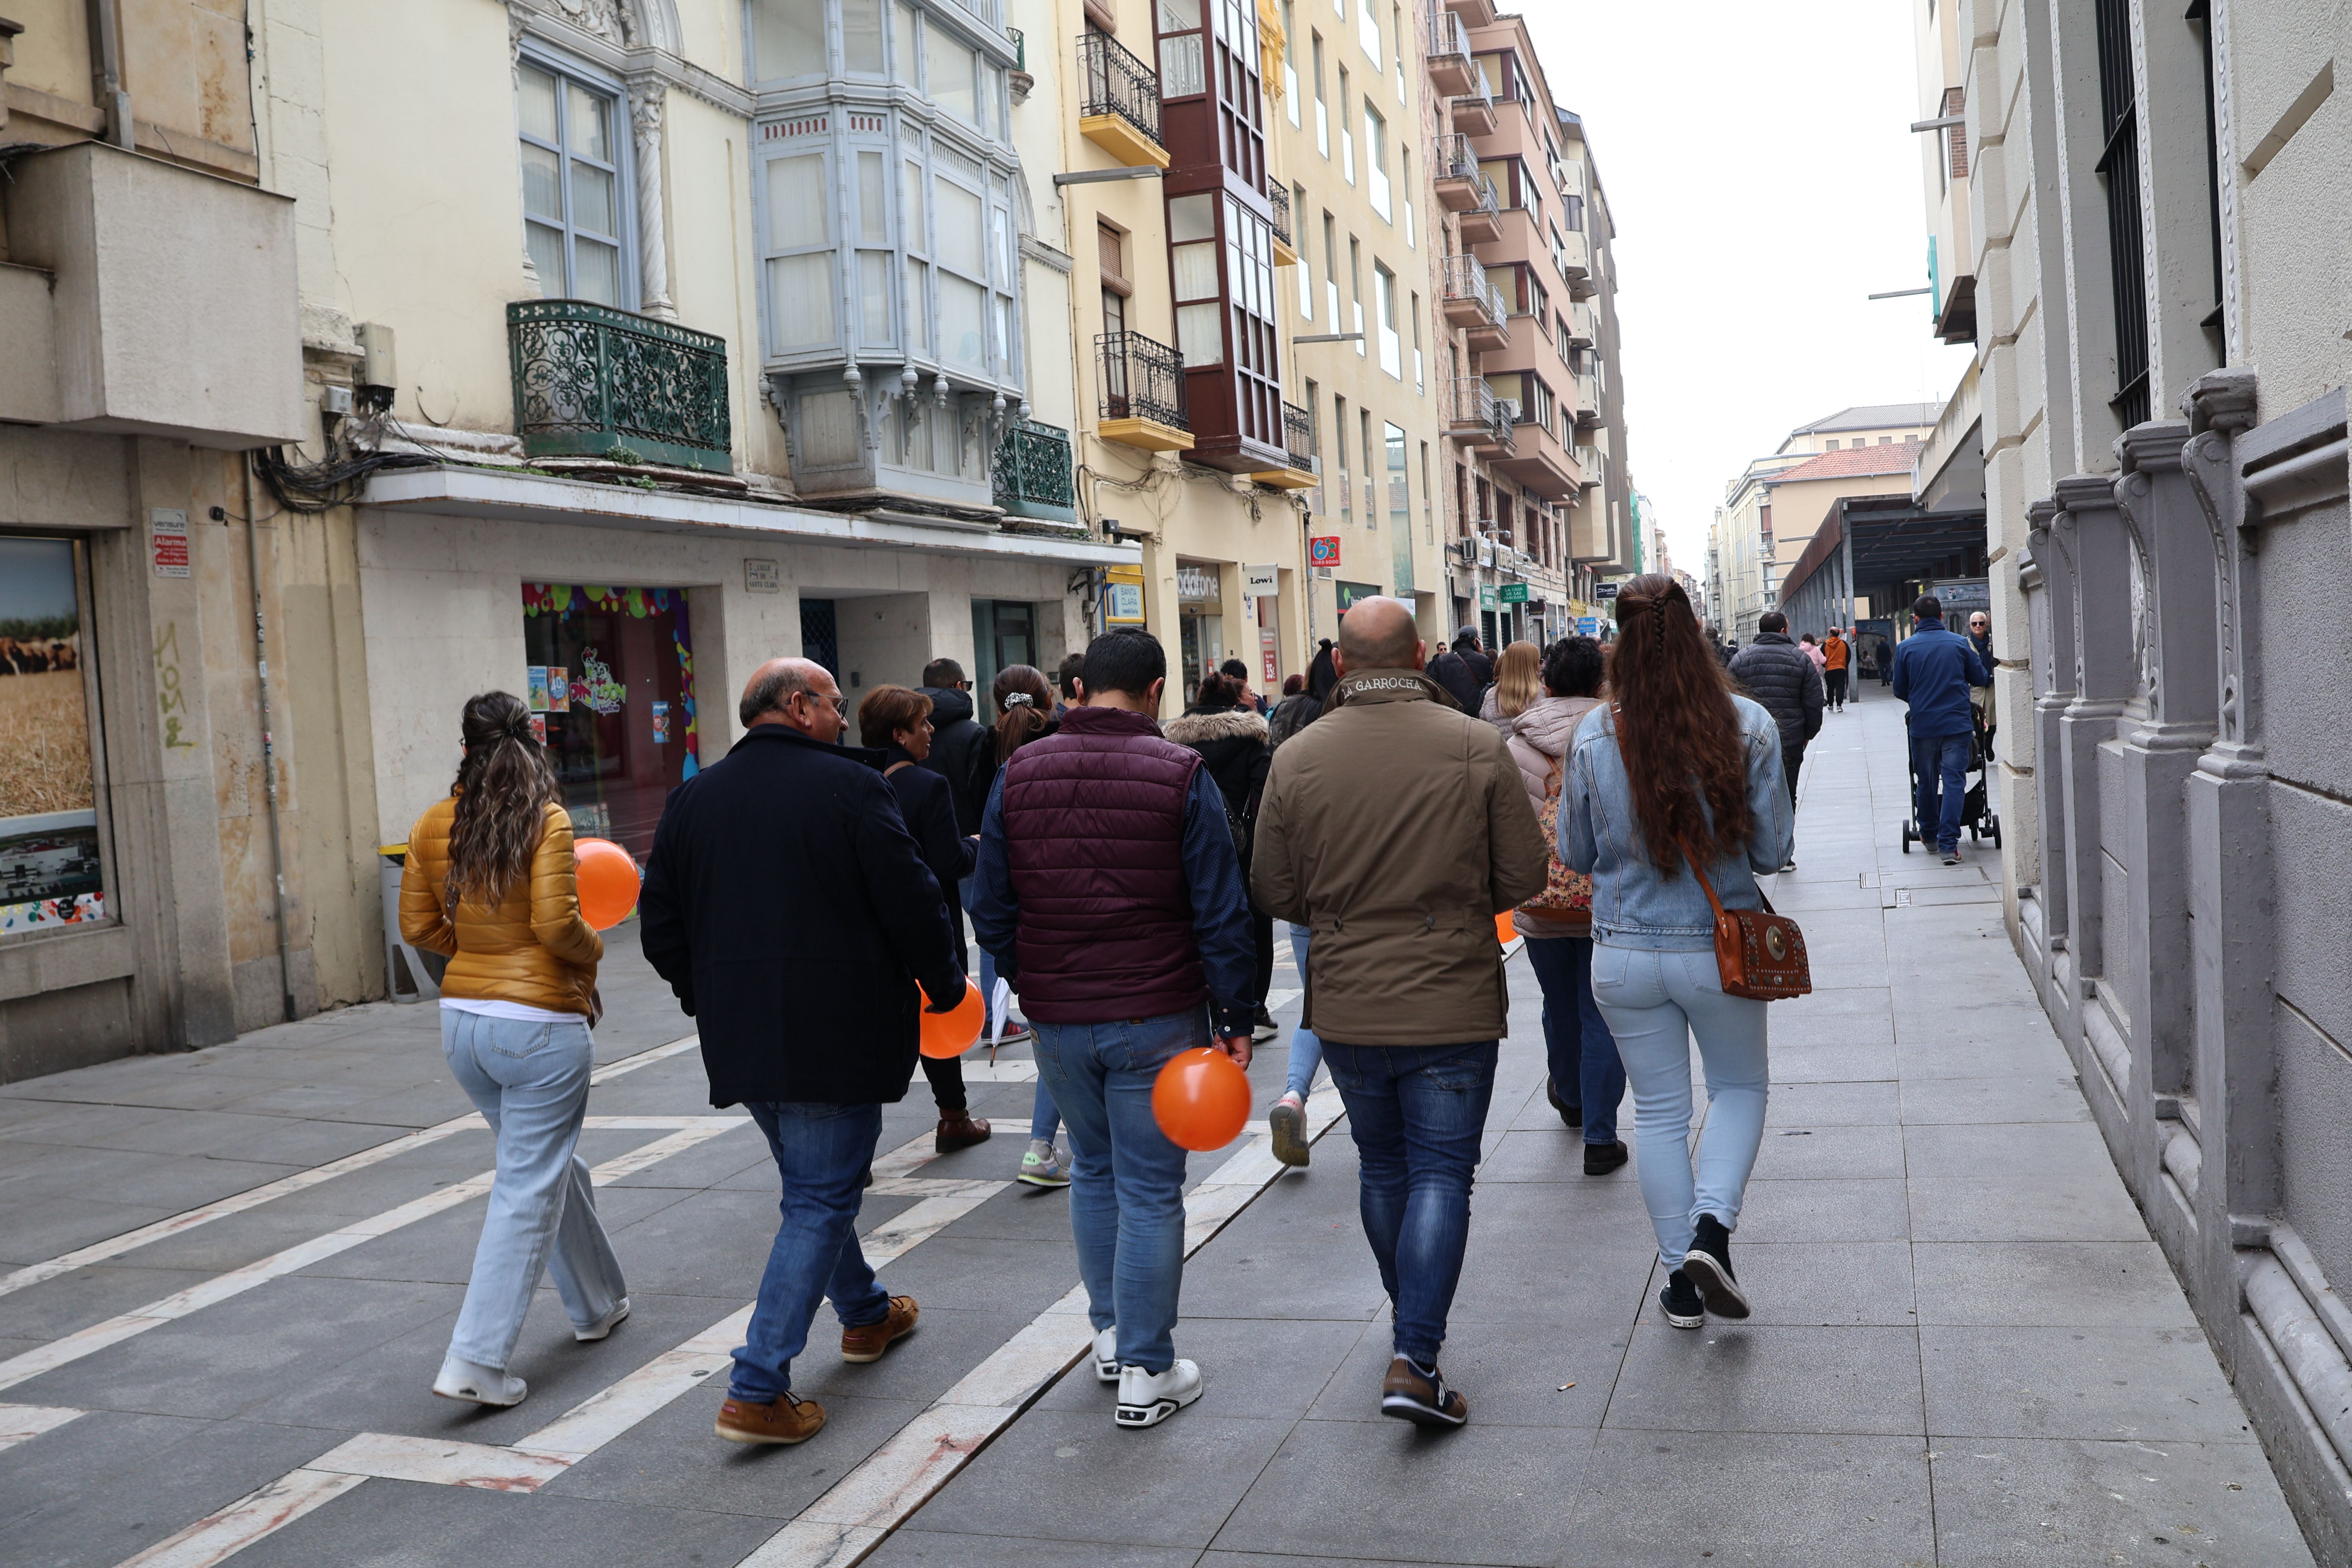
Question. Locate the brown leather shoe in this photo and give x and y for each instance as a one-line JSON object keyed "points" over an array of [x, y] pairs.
{"points": [[867, 1342], [782, 1421], [960, 1129]]}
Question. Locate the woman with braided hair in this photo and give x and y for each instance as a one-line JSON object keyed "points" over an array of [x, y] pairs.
{"points": [[491, 883], [1676, 773]]}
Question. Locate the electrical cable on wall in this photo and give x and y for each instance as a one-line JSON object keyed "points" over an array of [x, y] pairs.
{"points": [[337, 478]]}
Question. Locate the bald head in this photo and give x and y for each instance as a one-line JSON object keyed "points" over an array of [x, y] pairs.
{"points": [[1379, 633], [800, 692]]}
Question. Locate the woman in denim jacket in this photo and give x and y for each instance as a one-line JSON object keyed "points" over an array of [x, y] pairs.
{"points": [[1679, 760]]}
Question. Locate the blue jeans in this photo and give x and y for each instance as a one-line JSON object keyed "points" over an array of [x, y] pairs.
{"points": [[1655, 1002], [1416, 1113], [967, 888], [1940, 761], [1306, 1050], [1577, 1047], [530, 1081], [1127, 1180], [822, 1153], [1045, 1117]]}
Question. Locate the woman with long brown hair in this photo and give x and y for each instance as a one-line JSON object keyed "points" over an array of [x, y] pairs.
{"points": [[1676, 773], [490, 882]]}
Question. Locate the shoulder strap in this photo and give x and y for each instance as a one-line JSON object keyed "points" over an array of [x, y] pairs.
{"points": [[1706, 885]]}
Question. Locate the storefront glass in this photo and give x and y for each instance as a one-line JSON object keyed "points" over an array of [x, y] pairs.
{"points": [[51, 870], [610, 673]]}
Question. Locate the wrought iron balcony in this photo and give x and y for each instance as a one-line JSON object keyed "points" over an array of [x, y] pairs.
{"points": [[1122, 95], [1142, 391], [1278, 195], [1298, 437], [593, 381], [1020, 47], [1032, 473]]}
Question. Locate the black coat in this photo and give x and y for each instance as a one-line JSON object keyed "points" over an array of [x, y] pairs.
{"points": [[1233, 746], [924, 800], [1465, 673], [963, 753], [790, 911], [1777, 674]]}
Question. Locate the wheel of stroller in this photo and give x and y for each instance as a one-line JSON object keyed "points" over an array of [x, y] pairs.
{"points": [[1906, 838], [1996, 832]]}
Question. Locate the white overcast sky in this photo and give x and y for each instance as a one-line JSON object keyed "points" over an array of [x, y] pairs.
{"points": [[1756, 163]]}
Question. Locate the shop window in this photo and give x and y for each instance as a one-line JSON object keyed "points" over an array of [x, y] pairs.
{"points": [[611, 676], [574, 208], [52, 864]]}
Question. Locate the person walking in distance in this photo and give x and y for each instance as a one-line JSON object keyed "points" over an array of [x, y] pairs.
{"points": [[1109, 888], [1397, 828], [1836, 654], [1464, 670], [1587, 1081], [897, 722], [963, 753], [489, 883], [1932, 671], [1519, 678], [1020, 694], [1232, 739], [1777, 674], [1980, 696], [1237, 672], [792, 912], [1674, 770], [1813, 650], [1287, 1121]]}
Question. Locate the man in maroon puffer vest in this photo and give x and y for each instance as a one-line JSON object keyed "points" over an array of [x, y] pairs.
{"points": [[1108, 887]]}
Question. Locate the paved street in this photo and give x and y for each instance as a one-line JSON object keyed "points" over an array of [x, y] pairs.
{"points": [[235, 1273]]}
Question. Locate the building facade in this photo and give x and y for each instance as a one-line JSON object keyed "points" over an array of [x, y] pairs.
{"points": [[2158, 204]]}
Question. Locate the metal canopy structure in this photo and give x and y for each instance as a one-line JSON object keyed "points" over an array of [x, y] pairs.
{"points": [[1877, 547]]}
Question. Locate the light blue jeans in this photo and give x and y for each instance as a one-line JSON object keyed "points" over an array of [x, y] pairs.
{"points": [[1305, 1049], [1127, 1180], [1656, 1002], [530, 1081]]}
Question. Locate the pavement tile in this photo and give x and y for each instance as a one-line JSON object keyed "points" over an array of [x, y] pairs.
{"points": [[1828, 1209], [2038, 1150], [1252, 1368], [1511, 1372], [435, 1524], [1822, 1284], [1480, 1494], [57, 1307], [2030, 1097], [1729, 1377], [2017, 1208], [1550, 1154], [1815, 1061], [1789, 1500], [2010, 1504], [1016, 1278], [2049, 1283], [1798, 1153], [35, 1228], [932, 1549], [1871, 1102], [2095, 1382]]}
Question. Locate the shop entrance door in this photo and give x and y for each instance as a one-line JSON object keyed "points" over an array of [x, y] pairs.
{"points": [[611, 678], [1004, 634]]}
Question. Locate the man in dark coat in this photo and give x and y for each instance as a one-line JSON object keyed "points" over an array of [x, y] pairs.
{"points": [[1777, 673], [1464, 671], [963, 749], [789, 910]]}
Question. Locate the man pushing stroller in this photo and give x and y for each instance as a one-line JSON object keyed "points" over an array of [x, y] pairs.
{"points": [[1934, 670]]}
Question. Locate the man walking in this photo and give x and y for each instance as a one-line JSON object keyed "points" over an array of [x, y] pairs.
{"points": [[1396, 829], [1777, 674], [1932, 670], [1836, 653], [963, 753], [1463, 670], [789, 910], [1110, 890]]}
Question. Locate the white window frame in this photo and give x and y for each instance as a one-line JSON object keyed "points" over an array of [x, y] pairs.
{"points": [[567, 71]]}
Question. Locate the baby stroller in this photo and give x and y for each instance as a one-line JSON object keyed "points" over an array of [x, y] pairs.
{"points": [[1977, 814]]}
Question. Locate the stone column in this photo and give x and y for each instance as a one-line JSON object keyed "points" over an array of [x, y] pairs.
{"points": [[647, 102], [2047, 575], [2226, 807], [534, 287], [2173, 648]]}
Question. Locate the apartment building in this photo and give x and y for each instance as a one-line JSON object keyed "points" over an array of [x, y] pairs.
{"points": [[1537, 486]]}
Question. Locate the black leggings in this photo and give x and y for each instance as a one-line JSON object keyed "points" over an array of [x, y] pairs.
{"points": [[945, 1074], [1836, 681]]}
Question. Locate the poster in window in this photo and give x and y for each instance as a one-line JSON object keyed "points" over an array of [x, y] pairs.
{"points": [[50, 873], [621, 731]]}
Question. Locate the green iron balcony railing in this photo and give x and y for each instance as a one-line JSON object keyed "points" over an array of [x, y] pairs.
{"points": [[1033, 472], [593, 382], [1020, 48]]}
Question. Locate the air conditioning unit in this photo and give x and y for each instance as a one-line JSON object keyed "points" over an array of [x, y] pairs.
{"points": [[1466, 550]]}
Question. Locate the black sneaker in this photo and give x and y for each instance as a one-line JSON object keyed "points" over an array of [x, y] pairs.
{"points": [[1679, 1300], [1262, 1028], [1600, 1159], [1708, 1264], [1571, 1114], [1409, 1394]]}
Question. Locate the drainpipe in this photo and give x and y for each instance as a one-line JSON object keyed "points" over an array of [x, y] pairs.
{"points": [[106, 71], [268, 754]]}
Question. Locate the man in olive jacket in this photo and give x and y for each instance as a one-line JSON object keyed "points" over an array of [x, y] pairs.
{"points": [[1397, 828]]}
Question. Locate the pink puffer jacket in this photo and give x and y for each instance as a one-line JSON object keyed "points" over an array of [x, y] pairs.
{"points": [[1539, 740]]}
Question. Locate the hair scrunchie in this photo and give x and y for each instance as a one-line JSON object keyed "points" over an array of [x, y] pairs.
{"points": [[1020, 699]]}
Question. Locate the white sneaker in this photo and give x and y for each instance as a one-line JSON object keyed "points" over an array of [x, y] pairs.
{"points": [[603, 1325], [1107, 1355], [1145, 1399], [461, 1379]]}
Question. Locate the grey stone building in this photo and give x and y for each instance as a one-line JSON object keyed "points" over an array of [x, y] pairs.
{"points": [[2159, 208]]}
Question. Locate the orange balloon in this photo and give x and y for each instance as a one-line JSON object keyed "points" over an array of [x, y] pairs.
{"points": [[952, 1033], [608, 882], [1200, 1099], [1503, 932]]}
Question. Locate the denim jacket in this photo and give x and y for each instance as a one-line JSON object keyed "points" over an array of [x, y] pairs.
{"points": [[1634, 904]]}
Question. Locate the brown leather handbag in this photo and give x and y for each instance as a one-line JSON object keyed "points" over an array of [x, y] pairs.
{"points": [[1760, 954]]}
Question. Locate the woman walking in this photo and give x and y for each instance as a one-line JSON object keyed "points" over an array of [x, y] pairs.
{"points": [[489, 884], [1025, 708], [1286, 1121], [1676, 773], [1230, 737], [1516, 678], [897, 722], [1587, 1080]]}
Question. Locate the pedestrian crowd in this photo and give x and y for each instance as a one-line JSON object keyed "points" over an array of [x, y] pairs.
{"points": [[1613, 806]]}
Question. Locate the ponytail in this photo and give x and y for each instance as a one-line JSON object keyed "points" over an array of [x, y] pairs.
{"points": [[1025, 705]]}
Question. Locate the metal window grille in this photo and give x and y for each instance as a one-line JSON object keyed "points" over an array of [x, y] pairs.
{"points": [[2119, 167]]}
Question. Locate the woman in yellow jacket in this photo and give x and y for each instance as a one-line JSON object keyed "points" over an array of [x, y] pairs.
{"points": [[489, 884]]}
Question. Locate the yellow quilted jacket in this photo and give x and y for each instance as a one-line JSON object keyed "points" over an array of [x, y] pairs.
{"points": [[533, 948]]}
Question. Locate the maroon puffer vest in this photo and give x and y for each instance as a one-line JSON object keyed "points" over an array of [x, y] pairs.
{"points": [[1094, 826]]}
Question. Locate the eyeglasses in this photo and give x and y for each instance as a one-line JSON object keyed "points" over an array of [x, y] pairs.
{"points": [[840, 703]]}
